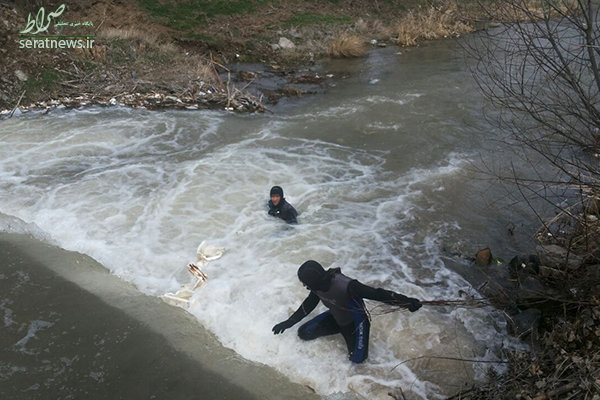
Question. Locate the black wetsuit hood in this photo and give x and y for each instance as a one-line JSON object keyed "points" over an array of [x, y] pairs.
{"points": [[314, 276], [278, 190], [283, 209]]}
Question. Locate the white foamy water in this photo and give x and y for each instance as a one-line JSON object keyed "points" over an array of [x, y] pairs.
{"points": [[139, 191]]}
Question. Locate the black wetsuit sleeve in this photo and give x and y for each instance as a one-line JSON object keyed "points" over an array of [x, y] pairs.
{"points": [[359, 290], [272, 209], [305, 308], [289, 214]]}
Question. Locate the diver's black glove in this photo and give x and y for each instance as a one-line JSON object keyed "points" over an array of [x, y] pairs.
{"points": [[409, 303], [282, 326], [413, 304]]}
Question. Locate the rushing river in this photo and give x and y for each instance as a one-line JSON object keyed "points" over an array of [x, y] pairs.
{"points": [[380, 168]]}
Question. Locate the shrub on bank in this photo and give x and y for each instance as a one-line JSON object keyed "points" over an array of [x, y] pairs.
{"points": [[434, 23], [347, 45]]}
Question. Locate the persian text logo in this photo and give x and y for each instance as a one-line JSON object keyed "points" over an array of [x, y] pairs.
{"points": [[29, 37]]}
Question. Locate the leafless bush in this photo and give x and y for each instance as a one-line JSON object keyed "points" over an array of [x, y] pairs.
{"points": [[434, 23], [543, 74], [541, 70]]}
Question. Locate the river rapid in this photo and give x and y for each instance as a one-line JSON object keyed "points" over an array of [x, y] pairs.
{"points": [[381, 169]]}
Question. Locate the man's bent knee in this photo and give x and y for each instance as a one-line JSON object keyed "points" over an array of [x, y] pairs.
{"points": [[305, 333]]}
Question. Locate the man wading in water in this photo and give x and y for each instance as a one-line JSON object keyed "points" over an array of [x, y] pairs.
{"points": [[346, 315], [280, 208]]}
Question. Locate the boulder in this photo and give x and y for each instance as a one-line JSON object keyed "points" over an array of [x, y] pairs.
{"points": [[592, 272], [500, 288], [553, 255], [531, 291], [593, 206], [22, 76], [295, 33], [548, 272], [531, 287], [291, 91], [286, 43], [484, 257], [529, 264], [246, 75], [526, 321]]}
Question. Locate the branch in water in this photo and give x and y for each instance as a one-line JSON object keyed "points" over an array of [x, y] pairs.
{"points": [[452, 359], [381, 309]]}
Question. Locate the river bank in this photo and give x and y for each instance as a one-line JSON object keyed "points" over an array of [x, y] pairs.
{"points": [[73, 330], [551, 302], [149, 54]]}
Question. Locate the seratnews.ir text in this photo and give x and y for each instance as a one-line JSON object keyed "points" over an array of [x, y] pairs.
{"points": [[55, 43]]}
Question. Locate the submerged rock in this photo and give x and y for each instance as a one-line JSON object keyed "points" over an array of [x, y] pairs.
{"points": [[549, 272], [529, 264], [525, 322], [556, 256], [593, 206], [531, 288], [484, 257], [592, 272], [246, 75]]}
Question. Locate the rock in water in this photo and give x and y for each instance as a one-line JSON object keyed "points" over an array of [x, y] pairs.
{"points": [[526, 321], [593, 206], [528, 264], [484, 257], [548, 272], [553, 255]]}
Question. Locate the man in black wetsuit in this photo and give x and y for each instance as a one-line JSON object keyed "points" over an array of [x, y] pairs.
{"points": [[280, 208], [346, 315]]}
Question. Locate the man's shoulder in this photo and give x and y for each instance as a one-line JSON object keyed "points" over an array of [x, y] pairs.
{"points": [[288, 207]]}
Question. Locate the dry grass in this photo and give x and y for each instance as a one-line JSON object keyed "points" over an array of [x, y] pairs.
{"points": [[531, 10], [361, 25], [575, 228], [347, 45], [143, 40], [380, 30], [434, 23], [375, 29], [155, 59]]}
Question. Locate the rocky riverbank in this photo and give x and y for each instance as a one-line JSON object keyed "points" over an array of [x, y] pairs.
{"points": [[174, 54], [552, 302]]}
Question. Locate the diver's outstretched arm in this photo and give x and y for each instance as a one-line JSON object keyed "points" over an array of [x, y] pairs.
{"points": [[305, 308], [360, 290]]}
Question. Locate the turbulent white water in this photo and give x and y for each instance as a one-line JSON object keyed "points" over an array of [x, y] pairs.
{"points": [[138, 191]]}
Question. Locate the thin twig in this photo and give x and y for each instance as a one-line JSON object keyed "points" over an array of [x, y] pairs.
{"points": [[557, 392], [451, 359], [16, 105]]}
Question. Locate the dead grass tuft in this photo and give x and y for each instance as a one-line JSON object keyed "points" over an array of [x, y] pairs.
{"points": [[142, 39], [380, 30], [347, 45], [361, 25], [434, 23], [534, 10]]}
